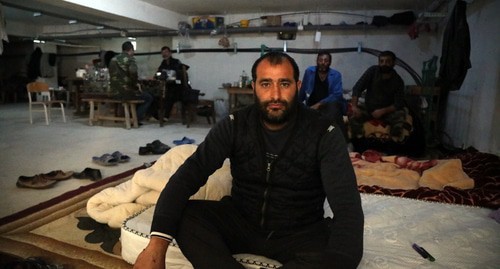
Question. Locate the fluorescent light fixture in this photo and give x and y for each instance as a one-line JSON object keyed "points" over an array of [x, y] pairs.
{"points": [[100, 27], [37, 14], [38, 41], [72, 21], [131, 38]]}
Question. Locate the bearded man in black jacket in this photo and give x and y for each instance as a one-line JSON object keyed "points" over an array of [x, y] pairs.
{"points": [[285, 160]]}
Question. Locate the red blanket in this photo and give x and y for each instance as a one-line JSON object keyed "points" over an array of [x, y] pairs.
{"points": [[483, 168]]}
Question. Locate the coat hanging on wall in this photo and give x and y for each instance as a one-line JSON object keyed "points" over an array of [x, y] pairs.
{"points": [[34, 64], [455, 55]]}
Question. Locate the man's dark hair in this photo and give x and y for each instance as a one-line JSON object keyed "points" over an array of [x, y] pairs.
{"points": [[127, 45], [325, 52], [387, 53], [276, 57], [165, 48]]}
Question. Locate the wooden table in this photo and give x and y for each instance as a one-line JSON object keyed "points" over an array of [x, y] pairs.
{"points": [[233, 93], [80, 87]]}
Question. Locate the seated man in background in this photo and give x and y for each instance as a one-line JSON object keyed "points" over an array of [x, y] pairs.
{"points": [[123, 79], [384, 99], [322, 90], [171, 69]]}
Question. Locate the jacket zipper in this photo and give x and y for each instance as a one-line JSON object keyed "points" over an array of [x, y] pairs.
{"points": [[266, 192]]}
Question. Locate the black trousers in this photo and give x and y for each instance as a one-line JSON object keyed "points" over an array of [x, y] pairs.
{"points": [[212, 231], [173, 95]]}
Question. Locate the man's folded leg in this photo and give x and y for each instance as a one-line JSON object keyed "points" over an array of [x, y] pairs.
{"points": [[211, 231]]}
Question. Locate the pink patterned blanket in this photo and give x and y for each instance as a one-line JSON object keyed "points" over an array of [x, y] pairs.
{"points": [[482, 168]]}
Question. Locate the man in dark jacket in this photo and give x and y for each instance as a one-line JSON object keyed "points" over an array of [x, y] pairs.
{"points": [[384, 98], [171, 69], [285, 159]]}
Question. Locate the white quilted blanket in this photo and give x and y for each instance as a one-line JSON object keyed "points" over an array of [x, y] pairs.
{"points": [[113, 205]]}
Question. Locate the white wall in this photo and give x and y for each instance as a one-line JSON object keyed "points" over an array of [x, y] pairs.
{"points": [[209, 71]]}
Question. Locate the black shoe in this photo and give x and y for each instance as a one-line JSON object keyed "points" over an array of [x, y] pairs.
{"points": [[146, 150], [89, 173], [157, 147]]}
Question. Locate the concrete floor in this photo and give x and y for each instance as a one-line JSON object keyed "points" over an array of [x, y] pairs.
{"points": [[30, 149]]}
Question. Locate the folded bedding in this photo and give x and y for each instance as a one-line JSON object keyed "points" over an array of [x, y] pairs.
{"points": [[113, 205]]}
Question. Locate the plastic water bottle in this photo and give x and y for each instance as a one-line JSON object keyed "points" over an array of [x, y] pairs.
{"points": [[243, 79]]}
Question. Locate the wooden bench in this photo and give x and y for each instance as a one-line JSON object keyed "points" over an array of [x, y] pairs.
{"points": [[99, 110]]}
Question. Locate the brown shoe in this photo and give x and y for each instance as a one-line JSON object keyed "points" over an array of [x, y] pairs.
{"points": [[58, 175], [35, 182]]}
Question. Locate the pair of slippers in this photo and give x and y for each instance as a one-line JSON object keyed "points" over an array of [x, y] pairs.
{"points": [[155, 147], [43, 181], [111, 159], [184, 140]]}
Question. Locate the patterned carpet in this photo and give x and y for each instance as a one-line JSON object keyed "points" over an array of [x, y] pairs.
{"points": [[60, 231]]}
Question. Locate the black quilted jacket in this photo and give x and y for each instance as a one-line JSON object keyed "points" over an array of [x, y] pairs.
{"points": [[284, 195]]}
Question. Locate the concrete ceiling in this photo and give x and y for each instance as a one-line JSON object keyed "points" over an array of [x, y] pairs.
{"points": [[109, 16]]}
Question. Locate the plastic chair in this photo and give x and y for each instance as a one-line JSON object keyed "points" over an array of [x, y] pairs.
{"points": [[43, 101]]}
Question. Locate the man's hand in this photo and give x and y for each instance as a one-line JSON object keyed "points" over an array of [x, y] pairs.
{"points": [[153, 256], [356, 112], [378, 113], [316, 106]]}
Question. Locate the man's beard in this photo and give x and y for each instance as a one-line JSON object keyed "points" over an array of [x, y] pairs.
{"points": [[277, 118], [322, 68], [385, 69]]}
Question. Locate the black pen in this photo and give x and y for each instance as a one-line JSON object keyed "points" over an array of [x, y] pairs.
{"points": [[422, 252]]}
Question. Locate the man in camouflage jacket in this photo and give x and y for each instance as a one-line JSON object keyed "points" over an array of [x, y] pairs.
{"points": [[124, 78]]}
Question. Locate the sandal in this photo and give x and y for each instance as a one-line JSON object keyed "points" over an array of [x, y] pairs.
{"points": [[145, 150], [35, 182], [105, 160], [89, 173], [157, 147], [120, 157], [58, 175], [184, 140]]}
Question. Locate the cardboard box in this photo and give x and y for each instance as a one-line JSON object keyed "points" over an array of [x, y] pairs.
{"points": [[273, 20], [207, 22]]}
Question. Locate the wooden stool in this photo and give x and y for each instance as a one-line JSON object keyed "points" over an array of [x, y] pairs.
{"points": [[129, 108]]}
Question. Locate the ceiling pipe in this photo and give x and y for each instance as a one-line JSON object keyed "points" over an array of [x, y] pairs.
{"points": [[235, 30]]}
